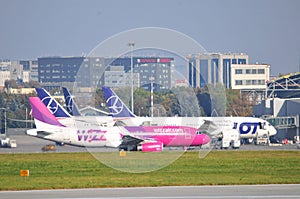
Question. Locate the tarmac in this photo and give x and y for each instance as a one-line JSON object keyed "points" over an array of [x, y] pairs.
{"points": [[29, 144]]}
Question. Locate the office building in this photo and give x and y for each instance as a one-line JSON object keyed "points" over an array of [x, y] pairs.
{"points": [[4, 75], [13, 70], [249, 76], [58, 69], [89, 71], [116, 76], [212, 68], [31, 68], [159, 69]]}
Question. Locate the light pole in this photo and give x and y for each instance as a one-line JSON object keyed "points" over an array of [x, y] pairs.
{"points": [[131, 71], [151, 91], [4, 110]]}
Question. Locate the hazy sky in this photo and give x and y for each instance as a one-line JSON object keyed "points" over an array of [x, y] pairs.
{"points": [[267, 30]]}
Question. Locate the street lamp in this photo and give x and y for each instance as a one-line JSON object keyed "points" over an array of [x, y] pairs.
{"points": [[151, 91], [131, 70], [4, 110]]}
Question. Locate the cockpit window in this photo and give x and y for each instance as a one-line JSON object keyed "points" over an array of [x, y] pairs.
{"points": [[262, 125]]}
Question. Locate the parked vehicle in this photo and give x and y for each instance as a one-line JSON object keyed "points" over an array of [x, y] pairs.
{"points": [[49, 147], [8, 143]]}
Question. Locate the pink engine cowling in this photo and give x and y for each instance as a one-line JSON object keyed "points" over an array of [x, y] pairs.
{"points": [[150, 146]]}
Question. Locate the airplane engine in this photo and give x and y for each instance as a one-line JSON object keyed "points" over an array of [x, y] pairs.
{"points": [[150, 146]]}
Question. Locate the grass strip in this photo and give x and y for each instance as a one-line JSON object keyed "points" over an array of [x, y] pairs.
{"points": [[82, 170]]}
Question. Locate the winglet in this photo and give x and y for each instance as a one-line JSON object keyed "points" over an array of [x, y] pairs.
{"points": [[42, 113], [56, 109], [116, 107], [71, 106]]}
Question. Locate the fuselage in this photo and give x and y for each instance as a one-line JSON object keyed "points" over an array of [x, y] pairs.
{"points": [[170, 135], [99, 136], [90, 136]]}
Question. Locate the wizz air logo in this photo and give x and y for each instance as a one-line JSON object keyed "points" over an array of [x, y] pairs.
{"points": [[115, 105], [50, 104], [91, 135], [247, 127]]}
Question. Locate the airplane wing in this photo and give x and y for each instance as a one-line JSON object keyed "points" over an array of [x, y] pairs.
{"points": [[129, 140], [131, 143]]}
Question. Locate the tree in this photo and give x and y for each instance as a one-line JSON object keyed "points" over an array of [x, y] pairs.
{"points": [[15, 106], [238, 103], [11, 84], [141, 102]]}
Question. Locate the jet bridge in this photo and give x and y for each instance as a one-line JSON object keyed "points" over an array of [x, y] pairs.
{"points": [[284, 122]]}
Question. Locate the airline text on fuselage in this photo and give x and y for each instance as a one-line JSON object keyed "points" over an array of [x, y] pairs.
{"points": [[91, 135]]}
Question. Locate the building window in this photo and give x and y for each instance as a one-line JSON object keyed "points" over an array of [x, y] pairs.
{"points": [[253, 71], [261, 71], [248, 71], [241, 61], [238, 71], [261, 82], [238, 82], [248, 82]]}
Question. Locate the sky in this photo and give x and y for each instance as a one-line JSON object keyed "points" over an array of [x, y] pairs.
{"points": [[267, 30]]}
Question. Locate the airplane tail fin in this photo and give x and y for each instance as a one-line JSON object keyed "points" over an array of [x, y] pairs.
{"points": [[41, 112], [116, 107], [54, 107], [71, 106]]}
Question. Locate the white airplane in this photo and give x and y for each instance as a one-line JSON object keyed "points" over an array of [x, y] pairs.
{"points": [[145, 139], [50, 128], [248, 127]]}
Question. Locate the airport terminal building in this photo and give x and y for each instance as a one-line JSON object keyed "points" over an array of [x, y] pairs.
{"points": [[281, 106]]}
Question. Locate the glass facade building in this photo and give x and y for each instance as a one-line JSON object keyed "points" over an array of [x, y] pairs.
{"points": [[212, 68]]}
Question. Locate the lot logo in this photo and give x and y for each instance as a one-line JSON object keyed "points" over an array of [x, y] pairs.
{"points": [[115, 105], [50, 104], [247, 127], [69, 104]]}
